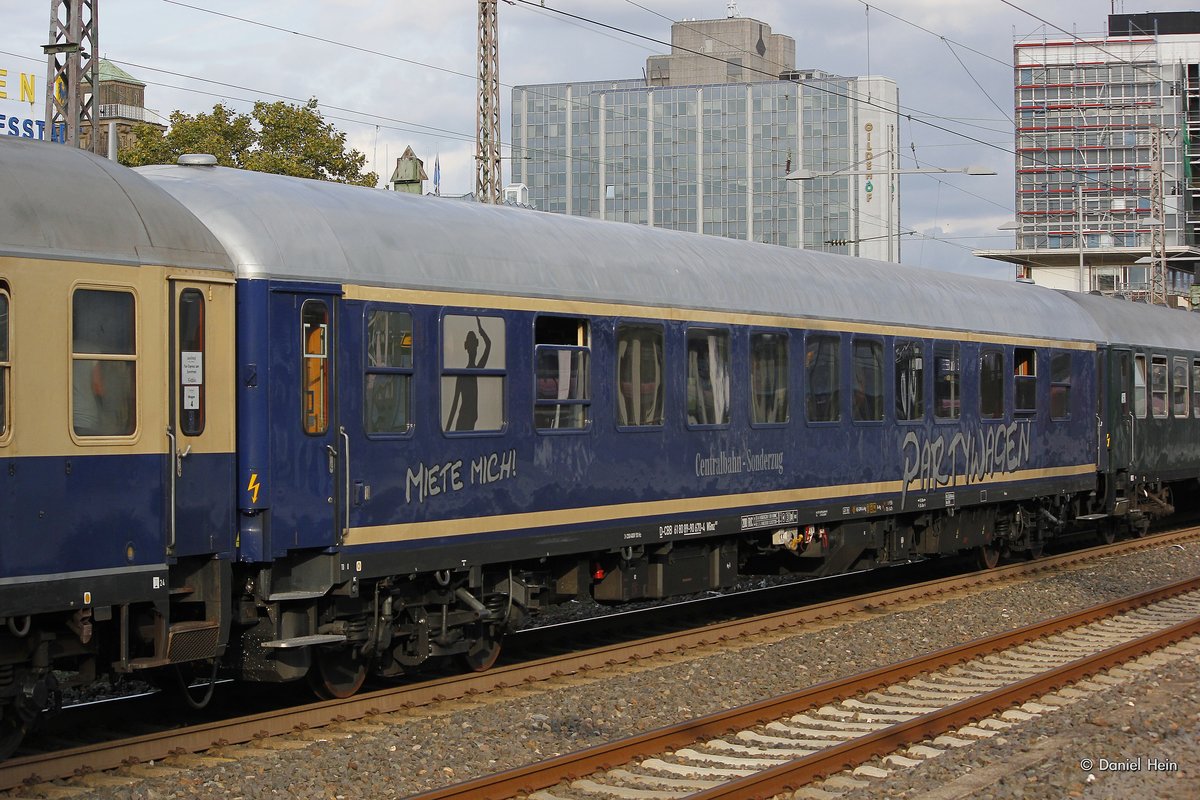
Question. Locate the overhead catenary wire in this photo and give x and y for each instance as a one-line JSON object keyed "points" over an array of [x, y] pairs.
{"points": [[536, 7], [421, 129]]}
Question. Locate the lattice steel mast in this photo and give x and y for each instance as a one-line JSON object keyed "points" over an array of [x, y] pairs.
{"points": [[487, 109], [1158, 249], [73, 72]]}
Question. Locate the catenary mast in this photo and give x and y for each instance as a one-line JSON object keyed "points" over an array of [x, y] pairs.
{"points": [[487, 109], [73, 72]]}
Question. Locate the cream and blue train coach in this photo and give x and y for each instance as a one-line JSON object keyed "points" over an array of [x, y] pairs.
{"points": [[302, 430]]}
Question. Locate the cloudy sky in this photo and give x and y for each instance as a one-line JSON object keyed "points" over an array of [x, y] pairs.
{"points": [[400, 74]]}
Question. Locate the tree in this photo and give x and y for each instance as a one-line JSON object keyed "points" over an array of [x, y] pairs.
{"points": [[276, 137]]}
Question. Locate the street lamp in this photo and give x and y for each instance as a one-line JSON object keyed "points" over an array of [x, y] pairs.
{"points": [[808, 174], [891, 172]]}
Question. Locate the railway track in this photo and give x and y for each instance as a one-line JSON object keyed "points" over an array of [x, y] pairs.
{"points": [[31, 769], [784, 743]]}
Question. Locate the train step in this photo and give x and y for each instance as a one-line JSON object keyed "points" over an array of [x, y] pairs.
{"points": [[305, 641]]}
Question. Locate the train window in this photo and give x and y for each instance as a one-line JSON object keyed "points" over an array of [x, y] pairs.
{"points": [[5, 361], [947, 394], [991, 384], [1179, 388], [1158, 386], [910, 380], [768, 378], [562, 397], [387, 396], [191, 362], [1060, 386], [867, 403], [103, 363], [473, 372], [639, 375], [822, 373], [1024, 380], [1139, 387], [1196, 388], [708, 377], [314, 391]]}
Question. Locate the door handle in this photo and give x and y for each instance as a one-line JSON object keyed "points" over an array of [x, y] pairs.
{"points": [[332, 451], [346, 469], [179, 461]]}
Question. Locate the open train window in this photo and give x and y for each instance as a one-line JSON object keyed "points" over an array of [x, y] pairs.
{"points": [[707, 376], [822, 373], [1060, 386], [1158, 386], [1196, 387], [947, 370], [1024, 381], [473, 373], [191, 362], [562, 373], [991, 384], [1139, 386], [768, 378], [639, 375], [867, 400], [5, 362], [103, 363], [387, 394], [1179, 387], [910, 381], [314, 390]]}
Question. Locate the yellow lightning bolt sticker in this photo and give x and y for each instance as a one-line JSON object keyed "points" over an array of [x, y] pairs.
{"points": [[253, 487]]}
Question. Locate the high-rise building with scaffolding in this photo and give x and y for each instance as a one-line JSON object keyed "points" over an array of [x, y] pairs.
{"points": [[1107, 177]]}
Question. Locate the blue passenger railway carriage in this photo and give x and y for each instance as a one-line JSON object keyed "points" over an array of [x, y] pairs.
{"points": [[342, 431]]}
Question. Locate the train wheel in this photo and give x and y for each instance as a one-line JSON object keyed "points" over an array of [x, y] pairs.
{"points": [[484, 650], [1106, 531], [336, 673], [988, 556]]}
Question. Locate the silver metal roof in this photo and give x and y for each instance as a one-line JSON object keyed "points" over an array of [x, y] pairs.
{"points": [[62, 202], [281, 227], [1126, 322]]}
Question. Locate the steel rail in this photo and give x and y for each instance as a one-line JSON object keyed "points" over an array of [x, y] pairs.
{"points": [[792, 775], [544, 774], [25, 770]]}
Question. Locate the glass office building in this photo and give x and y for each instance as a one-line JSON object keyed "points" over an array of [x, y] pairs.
{"points": [[678, 151]]}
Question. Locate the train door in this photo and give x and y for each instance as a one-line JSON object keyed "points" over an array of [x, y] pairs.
{"points": [[308, 444], [201, 409], [1121, 407]]}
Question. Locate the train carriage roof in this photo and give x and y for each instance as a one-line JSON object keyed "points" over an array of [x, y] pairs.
{"points": [[292, 228], [62, 202], [1124, 322]]}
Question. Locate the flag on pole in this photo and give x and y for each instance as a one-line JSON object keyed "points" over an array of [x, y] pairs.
{"points": [[437, 175]]}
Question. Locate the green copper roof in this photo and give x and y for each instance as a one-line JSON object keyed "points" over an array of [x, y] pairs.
{"points": [[111, 72]]}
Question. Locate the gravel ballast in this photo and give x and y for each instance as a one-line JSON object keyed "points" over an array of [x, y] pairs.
{"points": [[403, 754]]}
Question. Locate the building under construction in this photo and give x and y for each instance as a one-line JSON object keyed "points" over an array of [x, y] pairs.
{"points": [[1107, 179]]}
